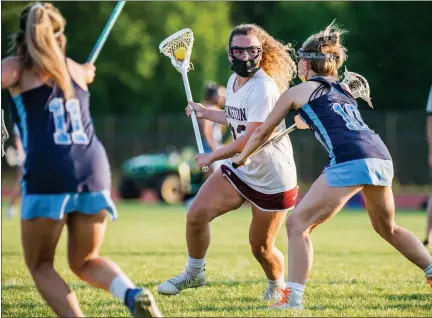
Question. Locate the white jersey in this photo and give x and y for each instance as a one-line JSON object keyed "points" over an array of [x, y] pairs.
{"points": [[273, 169]]}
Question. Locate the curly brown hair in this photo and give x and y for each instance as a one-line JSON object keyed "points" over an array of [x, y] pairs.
{"points": [[276, 58]]}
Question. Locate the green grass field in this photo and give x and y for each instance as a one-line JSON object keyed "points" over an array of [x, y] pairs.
{"points": [[355, 273]]}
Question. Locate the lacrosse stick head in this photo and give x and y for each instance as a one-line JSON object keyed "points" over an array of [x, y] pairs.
{"points": [[179, 42], [358, 85]]}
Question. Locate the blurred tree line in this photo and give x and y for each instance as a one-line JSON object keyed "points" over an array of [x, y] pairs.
{"points": [[388, 42]]}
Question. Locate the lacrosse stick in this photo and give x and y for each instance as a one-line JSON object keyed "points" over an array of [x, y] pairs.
{"points": [[178, 47], [272, 140], [4, 133], [106, 31], [359, 87]]}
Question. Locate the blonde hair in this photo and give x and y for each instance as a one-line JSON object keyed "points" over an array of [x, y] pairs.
{"points": [[327, 41], [37, 47], [276, 59]]}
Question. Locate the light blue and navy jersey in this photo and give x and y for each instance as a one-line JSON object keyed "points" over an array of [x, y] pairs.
{"points": [[336, 121], [63, 153]]}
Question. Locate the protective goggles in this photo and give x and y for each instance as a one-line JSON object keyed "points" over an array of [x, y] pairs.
{"points": [[251, 51]]}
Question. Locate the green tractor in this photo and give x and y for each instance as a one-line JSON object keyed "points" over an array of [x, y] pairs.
{"points": [[174, 176]]}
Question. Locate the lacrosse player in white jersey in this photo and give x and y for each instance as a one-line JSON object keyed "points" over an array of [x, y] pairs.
{"points": [[263, 68]]}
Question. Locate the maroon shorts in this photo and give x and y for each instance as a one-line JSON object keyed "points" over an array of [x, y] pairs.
{"points": [[281, 201]]}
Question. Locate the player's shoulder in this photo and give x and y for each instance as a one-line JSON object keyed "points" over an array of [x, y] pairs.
{"points": [[306, 87], [299, 94], [264, 84], [231, 80], [11, 61], [11, 71]]}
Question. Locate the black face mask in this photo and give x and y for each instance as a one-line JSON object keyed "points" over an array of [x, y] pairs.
{"points": [[245, 68]]}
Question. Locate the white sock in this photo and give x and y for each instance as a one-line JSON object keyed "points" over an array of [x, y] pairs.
{"points": [[10, 211], [299, 288], [195, 265], [428, 270], [278, 283], [119, 286]]}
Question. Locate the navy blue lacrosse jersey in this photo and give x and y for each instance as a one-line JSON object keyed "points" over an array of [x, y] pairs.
{"points": [[63, 153], [336, 121]]}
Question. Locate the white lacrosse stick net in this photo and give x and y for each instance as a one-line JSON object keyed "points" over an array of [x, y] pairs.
{"points": [[358, 85], [181, 39]]}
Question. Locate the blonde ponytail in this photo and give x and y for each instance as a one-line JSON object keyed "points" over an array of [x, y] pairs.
{"points": [[44, 23]]}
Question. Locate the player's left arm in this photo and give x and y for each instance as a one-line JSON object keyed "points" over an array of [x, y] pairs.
{"points": [[10, 71], [86, 71]]}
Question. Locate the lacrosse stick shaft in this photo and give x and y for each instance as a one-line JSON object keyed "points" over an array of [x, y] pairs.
{"points": [[273, 140], [4, 133], [193, 116], [106, 31]]}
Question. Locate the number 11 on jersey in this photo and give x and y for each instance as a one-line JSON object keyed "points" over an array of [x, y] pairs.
{"points": [[61, 136]]}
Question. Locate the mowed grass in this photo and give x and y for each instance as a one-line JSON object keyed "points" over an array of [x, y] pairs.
{"points": [[355, 272]]}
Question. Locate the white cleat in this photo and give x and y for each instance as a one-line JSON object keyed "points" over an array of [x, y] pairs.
{"points": [[290, 300], [273, 294], [185, 280]]}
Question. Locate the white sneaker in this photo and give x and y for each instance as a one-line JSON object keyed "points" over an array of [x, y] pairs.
{"points": [[274, 293], [290, 299], [185, 280]]}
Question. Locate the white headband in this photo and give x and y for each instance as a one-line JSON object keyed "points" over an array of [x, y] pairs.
{"points": [[37, 5]]}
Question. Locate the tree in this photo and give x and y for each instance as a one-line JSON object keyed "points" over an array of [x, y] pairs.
{"points": [[132, 76], [387, 42]]}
